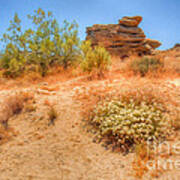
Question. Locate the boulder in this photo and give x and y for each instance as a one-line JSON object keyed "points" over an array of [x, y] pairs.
{"points": [[153, 43], [130, 21], [176, 47]]}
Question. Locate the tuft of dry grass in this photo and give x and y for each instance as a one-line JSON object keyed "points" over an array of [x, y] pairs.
{"points": [[12, 105], [52, 115], [52, 112]]}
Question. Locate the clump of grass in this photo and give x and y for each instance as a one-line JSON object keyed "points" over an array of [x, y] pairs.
{"points": [[30, 107], [52, 115], [13, 105], [146, 64]]}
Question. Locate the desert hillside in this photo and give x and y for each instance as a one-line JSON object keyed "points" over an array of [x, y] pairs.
{"points": [[34, 147], [104, 108]]}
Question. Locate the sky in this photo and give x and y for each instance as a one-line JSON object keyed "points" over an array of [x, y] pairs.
{"points": [[161, 18]]}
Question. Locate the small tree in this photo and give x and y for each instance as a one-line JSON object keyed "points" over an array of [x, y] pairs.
{"points": [[44, 45], [52, 42], [68, 47], [41, 45]]}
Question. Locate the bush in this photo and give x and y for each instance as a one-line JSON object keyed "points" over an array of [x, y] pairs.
{"points": [[13, 57], [45, 45], [130, 123], [158, 101], [94, 60], [145, 65], [13, 67]]}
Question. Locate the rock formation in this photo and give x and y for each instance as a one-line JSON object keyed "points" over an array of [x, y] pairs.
{"points": [[176, 47], [122, 39]]}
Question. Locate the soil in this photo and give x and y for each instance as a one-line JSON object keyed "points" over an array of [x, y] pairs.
{"points": [[63, 151]]}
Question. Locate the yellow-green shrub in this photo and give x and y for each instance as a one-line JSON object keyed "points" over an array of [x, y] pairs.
{"points": [[129, 122], [94, 60], [12, 61]]}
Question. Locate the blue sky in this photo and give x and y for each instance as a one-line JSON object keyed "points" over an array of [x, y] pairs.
{"points": [[161, 18]]}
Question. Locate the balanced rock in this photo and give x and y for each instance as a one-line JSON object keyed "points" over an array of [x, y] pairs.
{"points": [[122, 39], [153, 43], [130, 21]]}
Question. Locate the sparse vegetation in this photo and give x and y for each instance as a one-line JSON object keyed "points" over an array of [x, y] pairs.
{"points": [[52, 115], [48, 45], [130, 113], [122, 108], [146, 64], [13, 105]]}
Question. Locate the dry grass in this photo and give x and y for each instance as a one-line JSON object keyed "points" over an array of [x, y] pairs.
{"points": [[12, 105], [120, 81], [171, 68], [140, 89], [136, 88], [140, 160], [52, 115], [119, 68], [57, 74]]}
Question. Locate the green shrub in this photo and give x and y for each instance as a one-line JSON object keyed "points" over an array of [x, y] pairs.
{"points": [[45, 45], [13, 56], [94, 60], [128, 123], [145, 65], [12, 61], [68, 49]]}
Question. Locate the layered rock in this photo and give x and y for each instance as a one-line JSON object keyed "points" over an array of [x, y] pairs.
{"points": [[124, 38], [176, 47], [130, 21]]}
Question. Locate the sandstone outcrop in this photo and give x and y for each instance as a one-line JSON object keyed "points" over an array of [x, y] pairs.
{"points": [[130, 21], [152, 43], [122, 39], [176, 47]]}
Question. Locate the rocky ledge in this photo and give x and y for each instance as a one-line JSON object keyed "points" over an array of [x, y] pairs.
{"points": [[122, 39]]}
